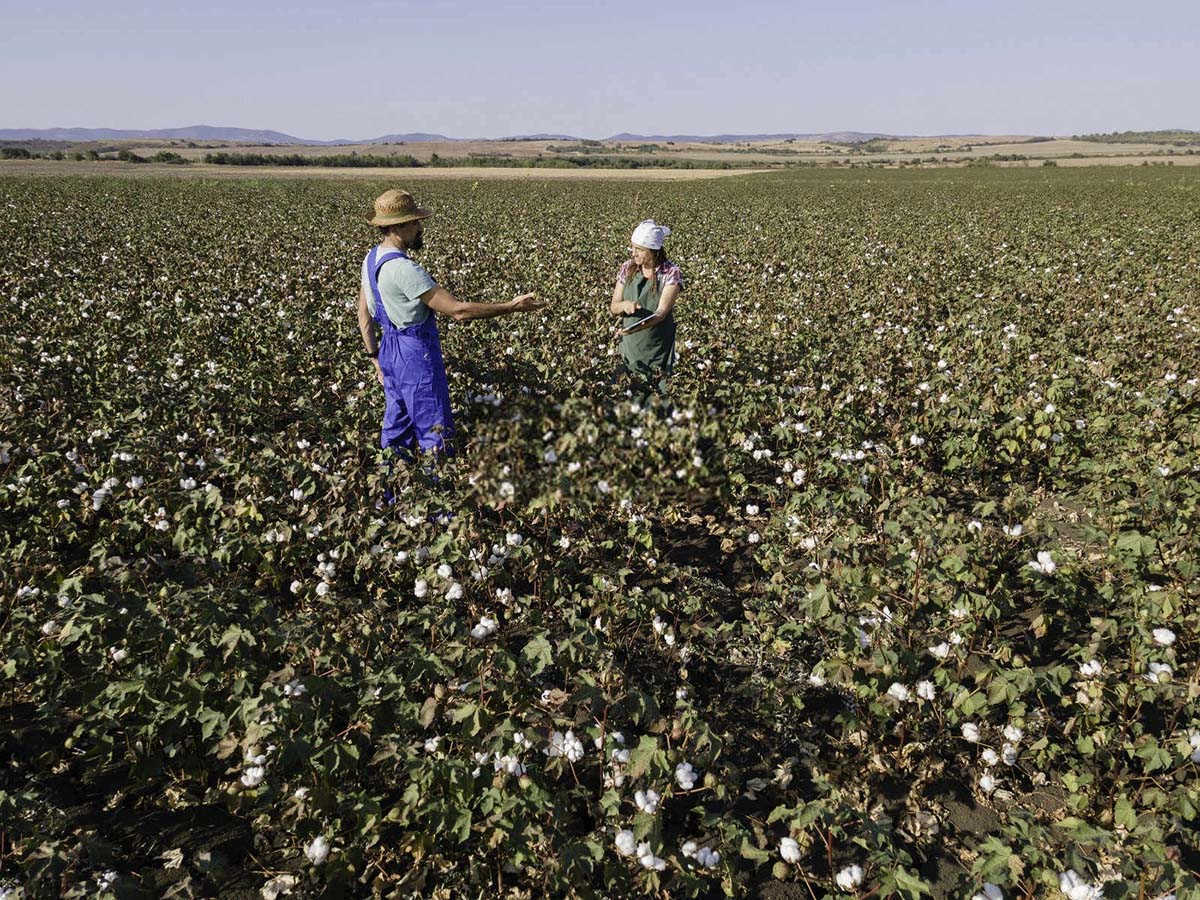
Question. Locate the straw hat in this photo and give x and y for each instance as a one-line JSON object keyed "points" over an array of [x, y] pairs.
{"points": [[397, 207]]}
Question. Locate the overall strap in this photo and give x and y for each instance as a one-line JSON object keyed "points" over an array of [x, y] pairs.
{"points": [[375, 261]]}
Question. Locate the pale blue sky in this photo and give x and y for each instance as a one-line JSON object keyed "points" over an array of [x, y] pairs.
{"points": [[467, 68]]}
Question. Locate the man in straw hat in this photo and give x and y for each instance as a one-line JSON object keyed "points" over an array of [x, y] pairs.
{"points": [[401, 298]]}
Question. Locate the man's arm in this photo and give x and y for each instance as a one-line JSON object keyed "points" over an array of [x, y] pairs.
{"points": [[441, 300], [366, 327]]}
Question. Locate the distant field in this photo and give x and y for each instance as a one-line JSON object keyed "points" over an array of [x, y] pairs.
{"points": [[588, 160], [42, 167]]}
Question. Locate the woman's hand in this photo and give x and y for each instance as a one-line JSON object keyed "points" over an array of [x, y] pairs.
{"points": [[378, 370]]}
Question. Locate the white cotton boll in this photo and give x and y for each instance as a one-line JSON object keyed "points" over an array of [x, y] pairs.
{"points": [[1044, 563], [970, 732], [708, 857], [188, 484], [681, 693], [118, 654], [659, 625], [297, 494], [485, 628], [685, 776], [647, 800], [990, 892], [294, 688], [507, 491], [816, 679], [669, 638], [454, 591], [253, 776], [603, 487], [1194, 741], [626, 844], [899, 692], [620, 755], [420, 588], [987, 783], [1050, 409], [296, 587], [1013, 531], [444, 571], [940, 651], [300, 793], [50, 628], [318, 850], [1160, 673], [798, 477], [753, 537], [1090, 669], [550, 456], [649, 860], [959, 612], [849, 878], [323, 589], [1013, 733], [926, 690], [975, 526], [431, 744], [689, 849], [1072, 885], [789, 850], [915, 440], [1164, 636], [989, 756], [751, 509], [1008, 753]]}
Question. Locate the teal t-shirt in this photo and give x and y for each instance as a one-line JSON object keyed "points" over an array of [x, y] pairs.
{"points": [[401, 284]]}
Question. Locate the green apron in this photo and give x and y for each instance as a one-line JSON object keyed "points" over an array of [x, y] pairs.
{"points": [[651, 352]]}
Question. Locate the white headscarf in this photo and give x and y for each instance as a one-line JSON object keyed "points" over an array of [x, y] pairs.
{"points": [[650, 235]]}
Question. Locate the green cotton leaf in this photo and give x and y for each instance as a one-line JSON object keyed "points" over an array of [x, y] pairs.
{"points": [[749, 851], [1123, 813], [539, 652], [428, 712], [1136, 543], [459, 713], [642, 755], [910, 885]]}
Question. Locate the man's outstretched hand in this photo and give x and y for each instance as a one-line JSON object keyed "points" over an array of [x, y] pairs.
{"points": [[527, 303]]}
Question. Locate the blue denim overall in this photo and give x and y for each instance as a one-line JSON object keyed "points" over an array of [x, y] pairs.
{"points": [[417, 398]]}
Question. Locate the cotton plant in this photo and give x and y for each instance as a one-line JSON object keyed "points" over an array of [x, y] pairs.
{"points": [[686, 775], [705, 857], [1044, 564], [647, 800], [849, 878], [317, 850], [564, 745]]}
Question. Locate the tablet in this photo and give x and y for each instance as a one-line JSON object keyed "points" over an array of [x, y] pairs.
{"points": [[639, 322]]}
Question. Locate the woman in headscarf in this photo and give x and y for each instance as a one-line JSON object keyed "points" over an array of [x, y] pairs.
{"points": [[647, 287]]}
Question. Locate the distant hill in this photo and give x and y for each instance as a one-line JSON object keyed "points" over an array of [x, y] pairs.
{"points": [[837, 137], [541, 137], [189, 133], [416, 137]]}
